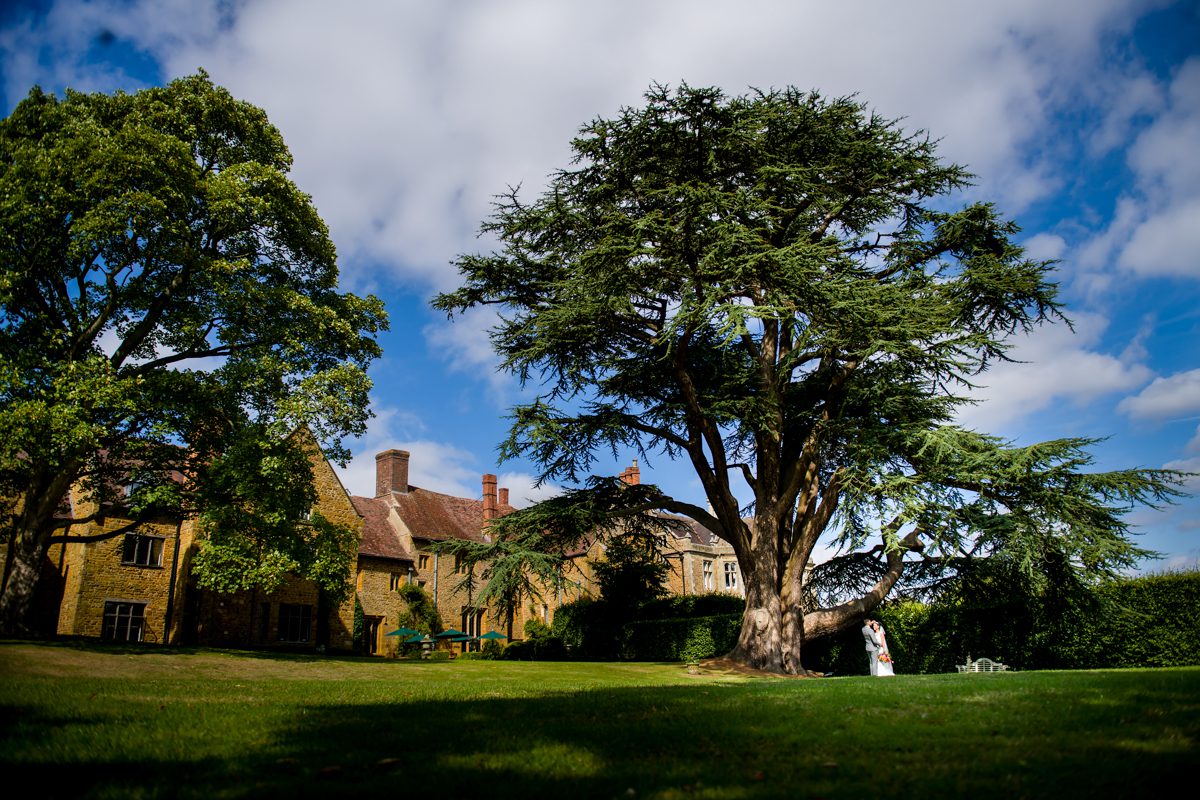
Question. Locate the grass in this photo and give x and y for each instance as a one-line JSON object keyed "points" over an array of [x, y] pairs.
{"points": [[106, 722]]}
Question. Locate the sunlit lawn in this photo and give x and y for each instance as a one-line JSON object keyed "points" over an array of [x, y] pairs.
{"points": [[125, 722]]}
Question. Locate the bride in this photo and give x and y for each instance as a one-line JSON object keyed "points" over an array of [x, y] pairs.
{"points": [[885, 654]]}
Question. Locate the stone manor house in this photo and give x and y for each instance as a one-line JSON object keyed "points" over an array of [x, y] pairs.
{"points": [[138, 586]]}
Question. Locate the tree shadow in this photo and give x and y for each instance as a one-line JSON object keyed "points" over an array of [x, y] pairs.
{"points": [[675, 741]]}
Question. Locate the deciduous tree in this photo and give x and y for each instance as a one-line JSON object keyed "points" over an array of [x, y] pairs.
{"points": [[169, 307]]}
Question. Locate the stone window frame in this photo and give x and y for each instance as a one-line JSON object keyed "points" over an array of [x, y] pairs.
{"points": [[731, 575], [295, 623], [142, 550], [706, 567], [123, 620]]}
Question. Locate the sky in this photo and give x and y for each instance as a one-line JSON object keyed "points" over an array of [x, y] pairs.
{"points": [[1080, 119]]}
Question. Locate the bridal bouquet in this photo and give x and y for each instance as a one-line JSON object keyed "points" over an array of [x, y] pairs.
{"points": [[885, 658]]}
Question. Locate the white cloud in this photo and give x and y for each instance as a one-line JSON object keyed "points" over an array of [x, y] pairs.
{"points": [[1166, 242], [523, 492], [464, 345], [1183, 562], [1045, 247], [1057, 365], [437, 466], [1191, 465], [405, 119], [1172, 396], [433, 465], [1156, 230]]}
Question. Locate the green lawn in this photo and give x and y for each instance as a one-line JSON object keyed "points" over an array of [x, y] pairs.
{"points": [[125, 722]]}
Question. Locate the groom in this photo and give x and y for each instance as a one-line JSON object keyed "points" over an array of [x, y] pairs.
{"points": [[871, 638]]}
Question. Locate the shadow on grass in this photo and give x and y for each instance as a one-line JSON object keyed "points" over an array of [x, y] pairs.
{"points": [[709, 740], [85, 644]]}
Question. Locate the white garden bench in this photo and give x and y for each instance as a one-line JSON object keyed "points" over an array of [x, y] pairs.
{"points": [[982, 665]]}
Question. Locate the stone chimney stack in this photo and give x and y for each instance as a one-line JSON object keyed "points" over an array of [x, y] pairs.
{"points": [[503, 496], [391, 472], [489, 497]]}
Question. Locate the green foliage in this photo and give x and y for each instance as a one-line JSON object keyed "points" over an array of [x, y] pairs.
{"points": [[253, 534], [540, 644], [360, 644], [420, 613], [669, 628], [170, 312], [528, 547], [774, 288], [685, 639], [1151, 622], [1139, 622], [537, 629], [590, 629], [709, 604], [633, 571]]}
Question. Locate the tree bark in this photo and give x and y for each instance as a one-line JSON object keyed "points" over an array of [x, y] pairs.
{"points": [[23, 567], [760, 643], [30, 535]]}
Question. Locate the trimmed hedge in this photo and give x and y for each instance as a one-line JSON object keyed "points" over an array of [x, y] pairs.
{"points": [[1139, 622], [684, 627], [680, 639]]}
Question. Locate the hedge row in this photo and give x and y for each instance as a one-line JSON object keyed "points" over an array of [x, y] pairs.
{"points": [[1140, 622], [662, 631], [681, 639]]}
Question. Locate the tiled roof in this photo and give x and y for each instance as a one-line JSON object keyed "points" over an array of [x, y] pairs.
{"points": [[436, 517], [695, 532], [379, 537], [429, 516]]}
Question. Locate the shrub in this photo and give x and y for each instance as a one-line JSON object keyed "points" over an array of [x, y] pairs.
{"points": [[1139, 622], [710, 604], [598, 630], [589, 629], [681, 639], [549, 648]]}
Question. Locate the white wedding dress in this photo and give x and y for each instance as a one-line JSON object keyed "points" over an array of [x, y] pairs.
{"points": [[885, 667]]}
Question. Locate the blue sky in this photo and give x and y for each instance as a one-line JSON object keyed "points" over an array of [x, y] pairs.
{"points": [[1081, 119]]}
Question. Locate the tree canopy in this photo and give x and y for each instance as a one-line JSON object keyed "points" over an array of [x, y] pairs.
{"points": [[169, 309], [775, 289]]}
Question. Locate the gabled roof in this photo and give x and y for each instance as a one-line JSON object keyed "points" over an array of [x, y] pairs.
{"points": [[428, 516], [379, 538], [698, 534], [436, 517]]}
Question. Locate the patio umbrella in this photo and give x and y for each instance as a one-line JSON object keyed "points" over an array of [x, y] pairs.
{"points": [[493, 635], [418, 638], [463, 639], [449, 633], [402, 632]]}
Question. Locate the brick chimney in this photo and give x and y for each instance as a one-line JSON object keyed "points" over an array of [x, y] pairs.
{"points": [[631, 476], [391, 472], [503, 496], [489, 497]]}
